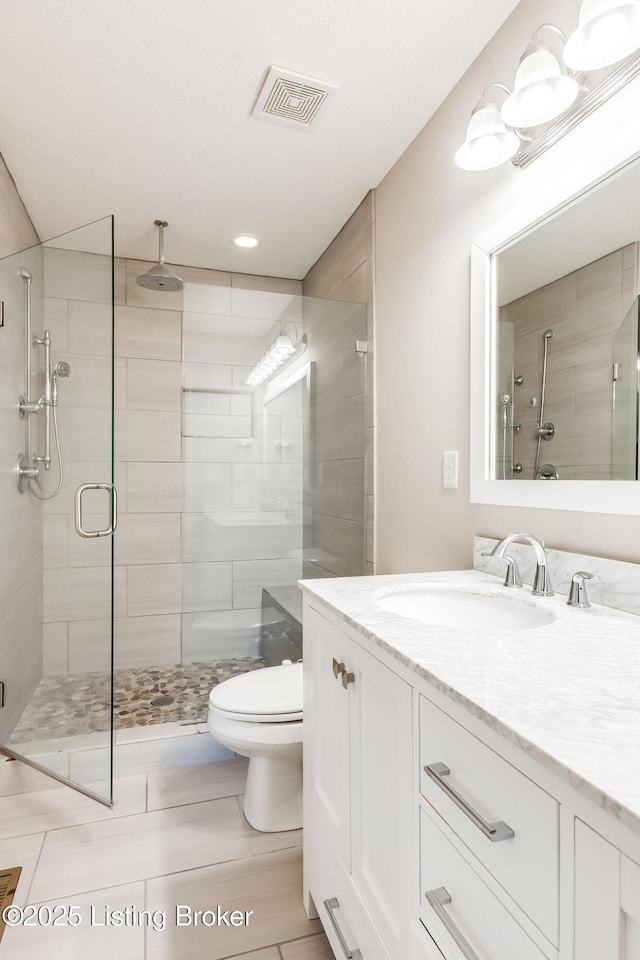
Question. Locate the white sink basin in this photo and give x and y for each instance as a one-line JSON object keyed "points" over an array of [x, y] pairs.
{"points": [[463, 609]]}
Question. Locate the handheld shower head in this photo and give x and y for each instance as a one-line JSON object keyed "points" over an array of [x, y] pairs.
{"points": [[61, 369]]}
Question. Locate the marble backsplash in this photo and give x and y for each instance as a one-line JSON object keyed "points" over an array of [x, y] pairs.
{"points": [[618, 587]]}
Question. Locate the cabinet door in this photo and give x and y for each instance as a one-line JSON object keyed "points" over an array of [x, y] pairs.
{"points": [[630, 908], [381, 785], [326, 729], [607, 898]]}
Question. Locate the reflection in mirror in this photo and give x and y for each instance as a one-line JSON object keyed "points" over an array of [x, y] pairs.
{"points": [[568, 352]]}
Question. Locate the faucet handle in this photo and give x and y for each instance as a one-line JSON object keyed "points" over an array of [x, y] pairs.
{"points": [[512, 577], [578, 591]]}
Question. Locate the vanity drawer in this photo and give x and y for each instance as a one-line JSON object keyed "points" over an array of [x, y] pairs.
{"points": [[490, 792], [340, 908], [460, 908]]}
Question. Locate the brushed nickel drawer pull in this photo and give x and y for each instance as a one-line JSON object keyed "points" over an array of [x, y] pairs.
{"points": [[338, 668], [437, 899], [330, 906], [493, 831]]}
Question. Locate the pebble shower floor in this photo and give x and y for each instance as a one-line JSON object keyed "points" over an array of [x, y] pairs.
{"points": [[70, 706]]}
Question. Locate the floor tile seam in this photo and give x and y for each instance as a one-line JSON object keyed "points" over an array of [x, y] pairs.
{"points": [[217, 863], [308, 936], [192, 803], [35, 868], [111, 819], [83, 893], [157, 876], [72, 826]]}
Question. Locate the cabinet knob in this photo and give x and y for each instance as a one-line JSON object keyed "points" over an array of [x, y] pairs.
{"points": [[347, 678], [338, 668]]}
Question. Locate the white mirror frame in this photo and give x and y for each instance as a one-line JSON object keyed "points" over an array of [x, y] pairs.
{"points": [[592, 496]]}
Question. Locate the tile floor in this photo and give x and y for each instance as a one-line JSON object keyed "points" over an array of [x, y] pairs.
{"points": [[174, 837]]}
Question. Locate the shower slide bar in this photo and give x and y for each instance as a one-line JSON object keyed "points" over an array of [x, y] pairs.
{"points": [[28, 469], [545, 431]]}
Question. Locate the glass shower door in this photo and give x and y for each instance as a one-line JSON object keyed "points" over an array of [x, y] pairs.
{"points": [[58, 711]]}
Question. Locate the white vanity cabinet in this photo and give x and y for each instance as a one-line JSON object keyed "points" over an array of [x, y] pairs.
{"points": [[358, 798], [607, 899], [429, 835]]}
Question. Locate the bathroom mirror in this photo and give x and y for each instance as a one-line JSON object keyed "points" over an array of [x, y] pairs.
{"points": [[555, 344]]}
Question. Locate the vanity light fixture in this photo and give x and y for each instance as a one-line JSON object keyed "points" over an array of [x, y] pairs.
{"points": [[488, 143], [608, 31], [549, 99], [541, 91], [246, 241], [281, 350]]}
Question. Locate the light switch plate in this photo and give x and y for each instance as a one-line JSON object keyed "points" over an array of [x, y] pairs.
{"points": [[450, 470]]}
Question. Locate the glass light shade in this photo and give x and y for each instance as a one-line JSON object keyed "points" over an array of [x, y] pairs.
{"points": [[488, 142], [540, 92], [608, 31]]}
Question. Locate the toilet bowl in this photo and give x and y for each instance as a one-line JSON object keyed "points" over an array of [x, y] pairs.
{"points": [[259, 715]]}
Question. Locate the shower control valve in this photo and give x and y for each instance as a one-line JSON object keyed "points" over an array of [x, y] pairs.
{"points": [[25, 408], [546, 431]]}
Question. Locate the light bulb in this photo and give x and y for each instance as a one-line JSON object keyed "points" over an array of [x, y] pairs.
{"points": [[485, 150], [246, 241], [537, 102], [609, 35]]}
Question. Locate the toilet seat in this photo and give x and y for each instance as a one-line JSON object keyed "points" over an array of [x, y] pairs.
{"points": [[272, 695]]}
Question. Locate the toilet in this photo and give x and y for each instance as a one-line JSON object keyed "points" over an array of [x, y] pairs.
{"points": [[259, 715]]}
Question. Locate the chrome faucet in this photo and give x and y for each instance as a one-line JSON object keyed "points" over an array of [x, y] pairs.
{"points": [[542, 581]]}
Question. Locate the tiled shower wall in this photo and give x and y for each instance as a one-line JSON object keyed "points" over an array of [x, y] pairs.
{"points": [[345, 271], [20, 526], [175, 572], [584, 309]]}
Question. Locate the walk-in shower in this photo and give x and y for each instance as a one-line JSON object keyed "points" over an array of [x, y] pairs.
{"points": [[229, 492]]}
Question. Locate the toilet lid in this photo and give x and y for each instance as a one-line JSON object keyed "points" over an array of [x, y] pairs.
{"points": [[270, 695]]}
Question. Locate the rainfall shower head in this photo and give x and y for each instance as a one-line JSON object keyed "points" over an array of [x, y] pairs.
{"points": [[160, 277]]}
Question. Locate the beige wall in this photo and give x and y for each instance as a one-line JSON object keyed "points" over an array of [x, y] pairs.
{"points": [[345, 271], [427, 213], [20, 516]]}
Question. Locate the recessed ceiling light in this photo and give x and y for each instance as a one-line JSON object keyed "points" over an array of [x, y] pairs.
{"points": [[244, 240]]}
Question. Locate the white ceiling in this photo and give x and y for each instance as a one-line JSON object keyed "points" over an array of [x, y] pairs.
{"points": [[142, 109]]}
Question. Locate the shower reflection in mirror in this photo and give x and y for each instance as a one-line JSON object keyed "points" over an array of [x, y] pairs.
{"points": [[577, 416], [29, 462]]}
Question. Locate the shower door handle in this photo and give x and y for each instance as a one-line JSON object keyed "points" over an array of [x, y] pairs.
{"points": [[113, 510]]}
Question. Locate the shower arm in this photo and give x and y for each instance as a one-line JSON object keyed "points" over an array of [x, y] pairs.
{"points": [[161, 224]]}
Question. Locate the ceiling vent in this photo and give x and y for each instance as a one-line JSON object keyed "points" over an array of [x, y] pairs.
{"points": [[291, 98]]}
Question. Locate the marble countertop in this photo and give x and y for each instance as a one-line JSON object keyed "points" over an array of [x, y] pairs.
{"points": [[567, 693]]}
